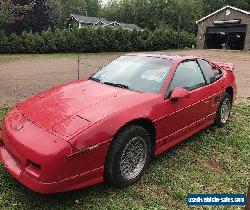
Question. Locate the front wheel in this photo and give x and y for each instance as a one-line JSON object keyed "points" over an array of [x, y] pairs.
{"points": [[128, 156], [224, 110]]}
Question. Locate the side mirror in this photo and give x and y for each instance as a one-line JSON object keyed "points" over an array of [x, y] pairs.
{"points": [[179, 93]]}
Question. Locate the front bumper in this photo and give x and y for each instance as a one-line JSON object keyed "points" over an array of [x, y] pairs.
{"points": [[39, 159], [14, 167], [76, 182]]}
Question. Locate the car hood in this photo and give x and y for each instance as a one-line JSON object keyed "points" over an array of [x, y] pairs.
{"points": [[76, 106]]}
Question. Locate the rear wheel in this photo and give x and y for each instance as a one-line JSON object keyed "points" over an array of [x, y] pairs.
{"points": [[128, 156], [223, 112]]}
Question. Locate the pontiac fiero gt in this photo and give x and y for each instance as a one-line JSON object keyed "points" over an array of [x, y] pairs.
{"points": [[107, 127]]}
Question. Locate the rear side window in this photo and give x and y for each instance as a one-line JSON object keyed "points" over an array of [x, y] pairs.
{"points": [[207, 70], [188, 75]]}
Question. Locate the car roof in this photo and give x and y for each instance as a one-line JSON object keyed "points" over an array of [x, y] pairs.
{"points": [[165, 56]]}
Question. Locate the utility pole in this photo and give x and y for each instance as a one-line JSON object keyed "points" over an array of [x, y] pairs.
{"points": [[180, 2], [78, 66]]}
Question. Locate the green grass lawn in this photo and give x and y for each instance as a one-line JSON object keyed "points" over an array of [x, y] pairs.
{"points": [[217, 160]]}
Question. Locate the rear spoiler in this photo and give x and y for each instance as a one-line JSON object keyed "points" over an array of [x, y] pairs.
{"points": [[225, 66]]}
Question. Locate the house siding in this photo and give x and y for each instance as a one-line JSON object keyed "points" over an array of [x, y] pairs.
{"points": [[234, 14]]}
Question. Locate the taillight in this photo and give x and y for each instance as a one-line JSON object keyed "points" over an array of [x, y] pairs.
{"points": [[33, 168]]}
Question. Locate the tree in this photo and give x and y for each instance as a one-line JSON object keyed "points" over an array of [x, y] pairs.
{"points": [[36, 15], [22, 15], [93, 7], [57, 16], [154, 13], [39, 18], [6, 8], [12, 13], [63, 8]]}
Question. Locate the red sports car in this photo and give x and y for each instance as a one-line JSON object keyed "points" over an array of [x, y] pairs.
{"points": [[108, 127]]}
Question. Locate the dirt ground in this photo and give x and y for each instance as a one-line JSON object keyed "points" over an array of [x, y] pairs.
{"points": [[24, 77]]}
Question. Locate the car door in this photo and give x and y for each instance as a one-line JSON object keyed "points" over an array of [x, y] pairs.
{"points": [[215, 83], [187, 114]]}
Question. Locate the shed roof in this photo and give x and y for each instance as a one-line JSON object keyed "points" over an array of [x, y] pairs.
{"points": [[223, 8]]}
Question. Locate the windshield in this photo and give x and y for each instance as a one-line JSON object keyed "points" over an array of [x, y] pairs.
{"points": [[138, 73]]}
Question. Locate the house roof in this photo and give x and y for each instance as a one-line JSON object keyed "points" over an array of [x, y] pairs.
{"points": [[95, 20], [223, 8], [87, 19]]}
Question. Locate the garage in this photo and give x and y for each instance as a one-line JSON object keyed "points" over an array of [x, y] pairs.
{"points": [[226, 28]]}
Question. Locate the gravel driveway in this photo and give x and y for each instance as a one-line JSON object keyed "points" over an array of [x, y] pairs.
{"points": [[24, 77]]}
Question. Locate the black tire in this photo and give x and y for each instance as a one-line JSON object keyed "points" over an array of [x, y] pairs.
{"points": [[114, 174], [219, 120]]}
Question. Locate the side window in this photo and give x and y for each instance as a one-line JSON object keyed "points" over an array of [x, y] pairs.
{"points": [[187, 75], [207, 70]]}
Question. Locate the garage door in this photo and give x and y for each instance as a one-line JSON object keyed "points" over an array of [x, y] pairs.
{"points": [[226, 36]]}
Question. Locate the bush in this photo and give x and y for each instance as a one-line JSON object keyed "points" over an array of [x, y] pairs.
{"points": [[93, 40], [4, 43]]}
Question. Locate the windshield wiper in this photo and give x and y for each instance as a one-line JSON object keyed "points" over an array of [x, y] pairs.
{"points": [[116, 85], [95, 79]]}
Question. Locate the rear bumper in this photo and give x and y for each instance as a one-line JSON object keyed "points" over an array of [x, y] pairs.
{"points": [[78, 181]]}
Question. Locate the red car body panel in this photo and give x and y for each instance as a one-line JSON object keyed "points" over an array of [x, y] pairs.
{"points": [[58, 140]]}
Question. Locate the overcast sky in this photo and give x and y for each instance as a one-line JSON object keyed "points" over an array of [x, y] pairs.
{"points": [[104, 1]]}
